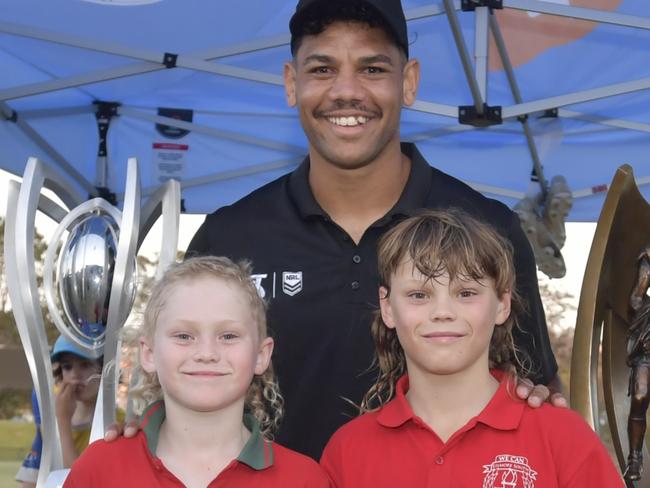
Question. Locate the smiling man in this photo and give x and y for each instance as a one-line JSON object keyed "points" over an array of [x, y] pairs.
{"points": [[312, 234]]}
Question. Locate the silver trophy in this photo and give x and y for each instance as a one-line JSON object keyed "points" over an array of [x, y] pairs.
{"points": [[89, 281]]}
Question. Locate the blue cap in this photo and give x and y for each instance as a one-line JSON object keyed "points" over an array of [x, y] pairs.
{"points": [[63, 345]]}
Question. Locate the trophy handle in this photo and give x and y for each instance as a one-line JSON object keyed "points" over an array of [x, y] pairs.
{"points": [[23, 290], [119, 303], [166, 200]]}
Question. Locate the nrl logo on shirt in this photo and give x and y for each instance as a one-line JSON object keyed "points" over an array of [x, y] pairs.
{"points": [[291, 282]]}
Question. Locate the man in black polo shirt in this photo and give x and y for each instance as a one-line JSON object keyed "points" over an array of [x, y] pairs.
{"points": [[312, 234]]}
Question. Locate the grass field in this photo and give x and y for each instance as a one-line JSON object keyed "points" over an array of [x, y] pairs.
{"points": [[15, 441], [8, 470]]}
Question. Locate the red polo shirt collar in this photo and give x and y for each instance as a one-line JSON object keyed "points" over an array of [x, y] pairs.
{"points": [[501, 412], [257, 452]]}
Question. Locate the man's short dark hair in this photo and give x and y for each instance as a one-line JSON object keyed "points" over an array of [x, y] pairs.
{"points": [[316, 20]]}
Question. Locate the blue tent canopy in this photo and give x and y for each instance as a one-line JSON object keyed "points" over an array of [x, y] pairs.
{"points": [[583, 93]]}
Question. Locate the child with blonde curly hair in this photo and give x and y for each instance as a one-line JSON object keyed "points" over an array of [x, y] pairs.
{"points": [[443, 410], [212, 399]]}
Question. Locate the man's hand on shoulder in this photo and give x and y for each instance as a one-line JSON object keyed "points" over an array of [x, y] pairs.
{"points": [[114, 431], [536, 395]]}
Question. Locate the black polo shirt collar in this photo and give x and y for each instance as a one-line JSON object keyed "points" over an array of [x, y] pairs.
{"points": [[413, 196]]}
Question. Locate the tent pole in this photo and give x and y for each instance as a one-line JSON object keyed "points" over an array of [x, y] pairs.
{"points": [[516, 93], [32, 134], [78, 80], [464, 56], [211, 131], [229, 175], [481, 49], [104, 113], [597, 119], [434, 108], [56, 112], [576, 97]]}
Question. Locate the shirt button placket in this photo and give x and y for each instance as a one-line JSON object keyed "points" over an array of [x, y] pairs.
{"points": [[355, 284], [439, 472]]}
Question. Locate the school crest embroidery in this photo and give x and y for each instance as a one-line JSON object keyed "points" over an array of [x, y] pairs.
{"points": [[508, 471], [291, 282]]}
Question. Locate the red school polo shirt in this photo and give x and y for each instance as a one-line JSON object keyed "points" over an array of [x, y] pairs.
{"points": [[132, 462], [508, 445]]}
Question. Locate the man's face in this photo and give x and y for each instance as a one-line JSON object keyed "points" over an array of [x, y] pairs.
{"points": [[349, 83]]}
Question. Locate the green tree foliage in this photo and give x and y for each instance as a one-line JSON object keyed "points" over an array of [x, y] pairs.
{"points": [[13, 402]]}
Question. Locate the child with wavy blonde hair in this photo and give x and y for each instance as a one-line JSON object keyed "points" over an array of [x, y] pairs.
{"points": [[442, 411], [212, 400]]}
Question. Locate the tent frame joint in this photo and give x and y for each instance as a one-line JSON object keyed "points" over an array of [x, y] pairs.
{"points": [[550, 113], [170, 60], [470, 5], [468, 115], [12, 117], [105, 111], [106, 194]]}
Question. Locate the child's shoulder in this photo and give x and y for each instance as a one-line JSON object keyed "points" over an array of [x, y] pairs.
{"points": [[549, 413], [91, 468], [300, 466], [359, 429], [122, 447], [558, 421]]}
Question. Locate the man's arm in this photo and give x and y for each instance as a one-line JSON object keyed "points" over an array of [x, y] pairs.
{"points": [[531, 334]]}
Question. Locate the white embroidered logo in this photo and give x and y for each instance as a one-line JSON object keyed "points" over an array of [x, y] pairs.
{"points": [[291, 282], [257, 279], [508, 471]]}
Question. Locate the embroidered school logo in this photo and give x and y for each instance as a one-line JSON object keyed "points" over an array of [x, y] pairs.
{"points": [[508, 471], [291, 282]]}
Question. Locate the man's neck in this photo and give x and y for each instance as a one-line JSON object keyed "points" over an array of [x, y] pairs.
{"points": [[447, 402], [197, 446], [356, 198]]}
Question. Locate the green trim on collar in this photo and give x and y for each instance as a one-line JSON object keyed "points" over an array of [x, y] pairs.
{"points": [[152, 419], [257, 452]]}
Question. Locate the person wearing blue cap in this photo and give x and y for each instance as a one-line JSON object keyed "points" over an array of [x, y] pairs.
{"points": [[77, 378]]}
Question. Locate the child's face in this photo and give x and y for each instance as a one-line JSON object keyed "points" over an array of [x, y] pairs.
{"points": [[206, 346], [83, 373], [443, 327]]}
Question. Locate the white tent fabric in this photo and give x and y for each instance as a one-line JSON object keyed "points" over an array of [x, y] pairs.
{"points": [[59, 57]]}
